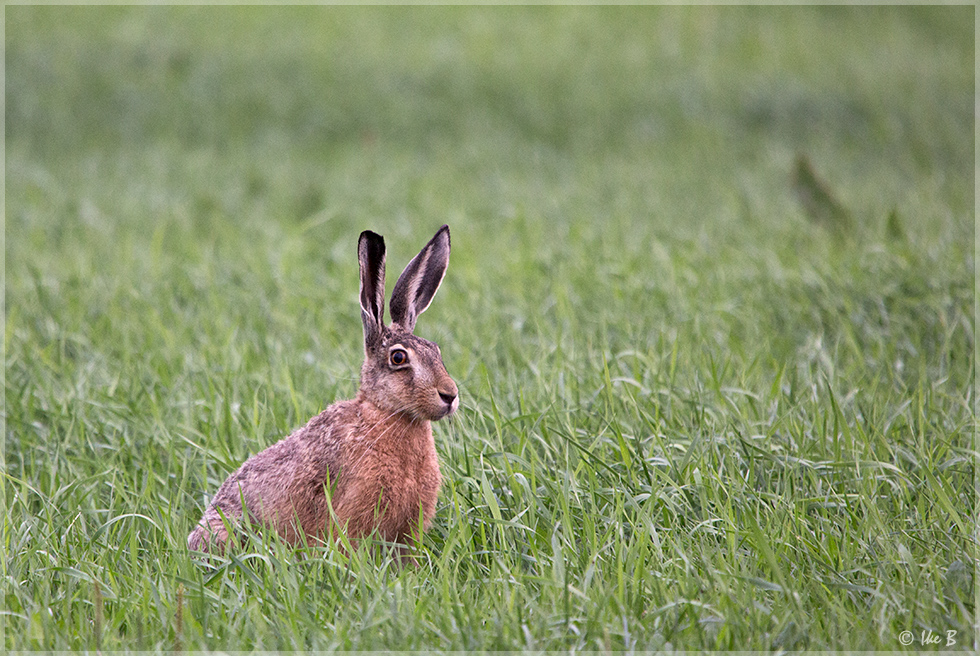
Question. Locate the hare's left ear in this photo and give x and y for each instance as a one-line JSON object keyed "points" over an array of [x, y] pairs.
{"points": [[371, 256], [419, 281]]}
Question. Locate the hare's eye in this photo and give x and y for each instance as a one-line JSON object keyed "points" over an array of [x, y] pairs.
{"points": [[398, 357]]}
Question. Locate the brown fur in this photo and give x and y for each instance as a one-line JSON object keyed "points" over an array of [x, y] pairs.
{"points": [[371, 460]]}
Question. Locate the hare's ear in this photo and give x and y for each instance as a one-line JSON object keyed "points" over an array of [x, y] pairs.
{"points": [[371, 256], [420, 280]]}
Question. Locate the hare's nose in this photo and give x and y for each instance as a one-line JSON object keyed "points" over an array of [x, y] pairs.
{"points": [[447, 398]]}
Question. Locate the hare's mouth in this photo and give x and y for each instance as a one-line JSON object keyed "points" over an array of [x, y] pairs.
{"points": [[450, 402]]}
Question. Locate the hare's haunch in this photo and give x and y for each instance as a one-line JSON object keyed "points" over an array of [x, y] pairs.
{"points": [[361, 465]]}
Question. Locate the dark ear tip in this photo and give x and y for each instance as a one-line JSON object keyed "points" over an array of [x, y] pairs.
{"points": [[371, 244]]}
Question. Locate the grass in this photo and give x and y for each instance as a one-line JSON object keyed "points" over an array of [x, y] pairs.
{"points": [[693, 418]]}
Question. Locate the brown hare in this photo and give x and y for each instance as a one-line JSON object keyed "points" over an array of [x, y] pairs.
{"points": [[361, 465]]}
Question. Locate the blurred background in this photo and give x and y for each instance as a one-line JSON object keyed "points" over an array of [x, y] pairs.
{"points": [[698, 105], [672, 164]]}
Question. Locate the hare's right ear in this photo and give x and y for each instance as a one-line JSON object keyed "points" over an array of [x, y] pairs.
{"points": [[420, 280], [371, 256]]}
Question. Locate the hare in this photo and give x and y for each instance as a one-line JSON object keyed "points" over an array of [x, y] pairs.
{"points": [[364, 465]]}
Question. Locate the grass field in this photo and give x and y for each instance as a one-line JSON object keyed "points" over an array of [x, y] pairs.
{"points": [[696, 412]]}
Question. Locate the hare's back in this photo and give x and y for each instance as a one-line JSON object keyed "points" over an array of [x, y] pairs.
{"points": [[291, 473]]}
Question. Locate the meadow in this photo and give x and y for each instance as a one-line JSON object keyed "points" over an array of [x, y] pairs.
{"points": [[708, 402]]}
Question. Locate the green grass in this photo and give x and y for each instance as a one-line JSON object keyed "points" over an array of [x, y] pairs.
{"points": [[692, 417]]}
